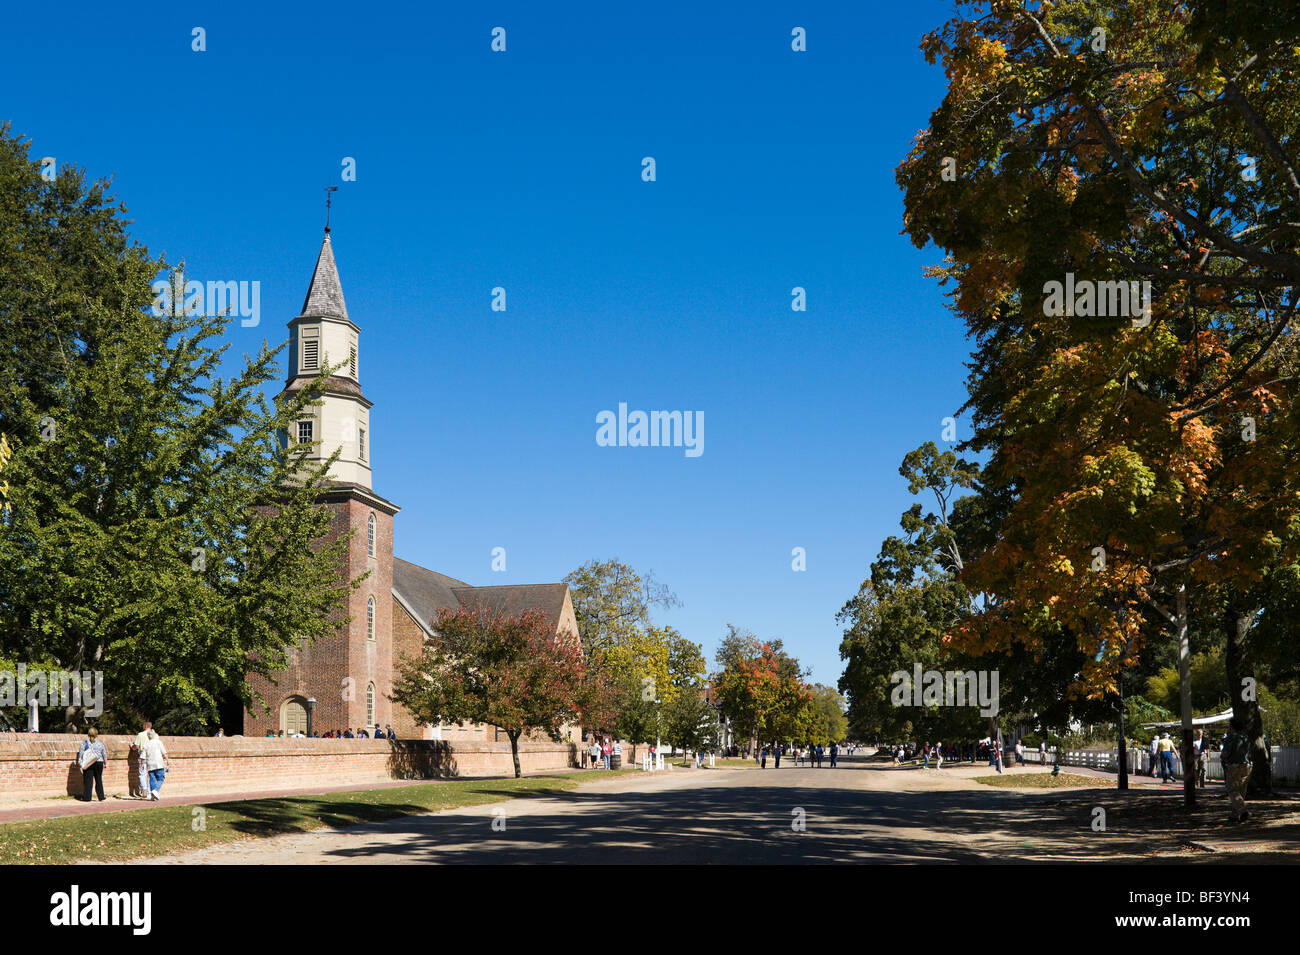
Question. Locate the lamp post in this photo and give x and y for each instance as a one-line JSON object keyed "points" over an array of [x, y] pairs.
{"points": [[311, 712], [659, 752]]}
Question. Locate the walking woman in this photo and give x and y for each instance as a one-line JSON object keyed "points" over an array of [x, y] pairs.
{"points": [[91, 758], [155, 761]]}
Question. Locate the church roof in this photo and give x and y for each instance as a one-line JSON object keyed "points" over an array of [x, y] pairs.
{"points": [[425, 592], [514, 599], [325, 295]]}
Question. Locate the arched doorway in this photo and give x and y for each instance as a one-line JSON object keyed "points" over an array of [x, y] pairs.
{"points": [[293, 716]]}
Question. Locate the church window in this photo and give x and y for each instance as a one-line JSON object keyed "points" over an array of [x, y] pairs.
{"points": [[370, 619], [361, 442], [353, 363], [370, 706], [370, 536], [304, 432], [310, 354]]}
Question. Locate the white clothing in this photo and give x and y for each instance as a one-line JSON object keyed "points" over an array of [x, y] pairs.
{"points": [[154, 754]]}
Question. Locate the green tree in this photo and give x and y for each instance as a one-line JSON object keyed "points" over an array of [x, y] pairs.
{"points": [[612, 603], [690, 723], [156, 531]]}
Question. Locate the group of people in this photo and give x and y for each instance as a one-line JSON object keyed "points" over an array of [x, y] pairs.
{"points": [[601, 752], [347, 733], [811, 755], [151, 760], [1234, 756], [934, 756]]}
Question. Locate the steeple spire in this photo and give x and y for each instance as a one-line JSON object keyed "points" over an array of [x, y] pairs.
{"points": [[325, 294]]}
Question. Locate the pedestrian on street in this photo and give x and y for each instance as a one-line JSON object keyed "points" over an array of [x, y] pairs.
{"points": [[155, 757], [1235, 757], [137, 747], [1200, 747], [1165, 749], [91, 758], [1155, 754], [835, 752], [606, 751]]}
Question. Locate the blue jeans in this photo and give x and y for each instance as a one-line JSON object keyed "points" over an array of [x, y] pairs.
{"points": [[605, 758], [1166, 764], [156, 777]]}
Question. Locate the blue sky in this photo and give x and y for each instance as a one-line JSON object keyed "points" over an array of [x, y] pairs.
{"points": [[522, 170]]}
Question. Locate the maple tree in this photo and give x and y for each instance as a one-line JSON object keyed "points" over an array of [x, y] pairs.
{"points": [[763, 693], [482, 666], [1138, 465]]}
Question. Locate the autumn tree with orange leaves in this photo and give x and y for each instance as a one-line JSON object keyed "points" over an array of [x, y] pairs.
{"points": [[763, 693], [1140, 457]]}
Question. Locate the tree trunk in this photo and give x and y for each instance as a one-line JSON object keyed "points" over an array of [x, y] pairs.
{"points": [[1185, 698], [1237, 618], [514, 750], [1123, 737], [995, 735]]}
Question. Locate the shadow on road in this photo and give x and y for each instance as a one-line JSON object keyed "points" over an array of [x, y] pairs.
{"points": [[749, 824]]}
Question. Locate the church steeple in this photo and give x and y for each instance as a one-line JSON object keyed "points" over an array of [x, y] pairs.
{"points": [[320, 336], [325, 294]]}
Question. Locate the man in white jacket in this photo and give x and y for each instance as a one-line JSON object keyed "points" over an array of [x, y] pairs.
{"points": [[154, 755]]}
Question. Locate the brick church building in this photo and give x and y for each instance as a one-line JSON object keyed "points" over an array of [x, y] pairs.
{"points": [[346, 678]]}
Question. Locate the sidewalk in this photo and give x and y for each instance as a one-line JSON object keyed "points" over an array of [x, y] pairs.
{"points": [[67, 806], [1136, 779]]}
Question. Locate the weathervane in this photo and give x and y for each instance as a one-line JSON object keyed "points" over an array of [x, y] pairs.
{"points": [[328, 197]]}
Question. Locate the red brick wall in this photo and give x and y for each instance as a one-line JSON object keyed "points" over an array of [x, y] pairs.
{"points": [[43, 764], [337, 669], [408, 638]]}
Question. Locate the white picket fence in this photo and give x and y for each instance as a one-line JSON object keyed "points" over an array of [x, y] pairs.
{"points": [[1286, 762]]}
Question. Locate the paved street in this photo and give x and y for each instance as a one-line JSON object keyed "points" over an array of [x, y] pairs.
{"points": [[859, 812]]}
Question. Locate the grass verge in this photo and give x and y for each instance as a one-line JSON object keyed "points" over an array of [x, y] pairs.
{"points": [[160, 830], [1046, 781]]}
